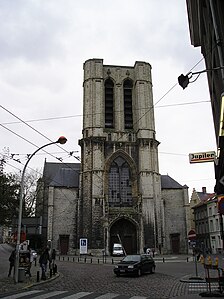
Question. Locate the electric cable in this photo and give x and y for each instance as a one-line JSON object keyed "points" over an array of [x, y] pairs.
{"points": [[116, 111]]}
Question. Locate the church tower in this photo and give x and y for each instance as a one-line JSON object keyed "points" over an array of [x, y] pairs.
{"points": [[120, 185]]}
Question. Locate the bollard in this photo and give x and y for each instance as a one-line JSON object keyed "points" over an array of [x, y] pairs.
{"points": [[68, 258], [38, 276], [112, 261], [85, 260], [91, 261], [163, 260], [98, 261], [187, 259], [78, 259], [73, 259], [59, 258], [63, 258]]}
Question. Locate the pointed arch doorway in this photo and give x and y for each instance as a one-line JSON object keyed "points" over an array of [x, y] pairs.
{"points": [[124, 230]]}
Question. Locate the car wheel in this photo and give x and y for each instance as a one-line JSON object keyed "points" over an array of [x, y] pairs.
{"points": [[139, 272], [152, 270]]}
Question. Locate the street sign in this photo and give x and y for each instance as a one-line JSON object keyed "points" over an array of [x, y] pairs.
{"points": [[83, 246], [192, 235]]}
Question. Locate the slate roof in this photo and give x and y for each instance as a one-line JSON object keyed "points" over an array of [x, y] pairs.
{"points": [[61, 175], [168, 183], [204, 196], [67, 175]]}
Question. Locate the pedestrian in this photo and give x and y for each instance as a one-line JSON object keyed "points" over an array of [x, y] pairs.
{"points": [[12, 260], [44, 258], [53, 258], [30, 261], [145, 249]]}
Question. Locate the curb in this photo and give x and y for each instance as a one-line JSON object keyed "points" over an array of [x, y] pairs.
{"points": [[41, 281]]}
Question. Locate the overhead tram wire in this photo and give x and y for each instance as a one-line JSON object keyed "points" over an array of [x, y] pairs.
{"points": [[150, 108], [34, 129], [18, 135], [116, 111], [153, 106]]}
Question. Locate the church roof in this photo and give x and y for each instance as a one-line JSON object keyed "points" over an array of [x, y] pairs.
{"points": [[168, 183], [61, 175], [67, 175]]}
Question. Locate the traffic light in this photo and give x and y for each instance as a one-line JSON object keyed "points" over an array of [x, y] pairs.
{"points": [[183, 81]]}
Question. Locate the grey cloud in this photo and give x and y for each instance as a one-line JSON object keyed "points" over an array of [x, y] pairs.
{"points": [[29, 31]]}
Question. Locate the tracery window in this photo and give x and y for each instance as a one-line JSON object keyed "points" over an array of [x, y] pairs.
{"points": [[109, 103], [120, 191], [128, 117]]}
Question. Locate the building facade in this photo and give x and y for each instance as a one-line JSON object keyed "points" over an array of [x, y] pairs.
{"points": [[206, 24], [119, 195]]}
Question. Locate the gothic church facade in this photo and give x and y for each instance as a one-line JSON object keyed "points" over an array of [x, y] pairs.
{"points": [[120, 195]]}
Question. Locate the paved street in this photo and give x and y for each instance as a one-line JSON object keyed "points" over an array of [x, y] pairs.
{"points": [[87, 279]]}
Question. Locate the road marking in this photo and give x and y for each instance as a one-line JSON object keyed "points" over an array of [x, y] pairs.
{"points": [[38, 294], [51, 294], [199, 287], [107, 296], [77, 295], [138, 297], [20, 295]]}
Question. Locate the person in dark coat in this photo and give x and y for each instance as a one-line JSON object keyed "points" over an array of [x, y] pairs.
{"points": [[44, 258], [53, 258], [12, 260]]}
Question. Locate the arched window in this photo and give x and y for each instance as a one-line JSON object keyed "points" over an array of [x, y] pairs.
{"points": [[120, 191], [128, 118], [109, 103]]}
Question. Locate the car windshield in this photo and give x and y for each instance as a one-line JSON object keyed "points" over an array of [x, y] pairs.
{"points": [[132, 258]]}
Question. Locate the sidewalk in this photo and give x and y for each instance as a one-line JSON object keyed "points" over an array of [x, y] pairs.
{"points": [[7, 284]]}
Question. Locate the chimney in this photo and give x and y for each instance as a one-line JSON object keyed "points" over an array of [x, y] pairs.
{"points": [[204, 190]]}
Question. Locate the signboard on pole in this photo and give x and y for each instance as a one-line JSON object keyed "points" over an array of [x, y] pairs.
{"points": [[83, 248], [202, 157], [192, 235]]}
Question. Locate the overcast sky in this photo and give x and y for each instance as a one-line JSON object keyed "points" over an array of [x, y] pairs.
{"points": [[43, 45]]}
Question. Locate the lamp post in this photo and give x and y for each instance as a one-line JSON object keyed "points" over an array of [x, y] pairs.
{"points": [[61, 140]]}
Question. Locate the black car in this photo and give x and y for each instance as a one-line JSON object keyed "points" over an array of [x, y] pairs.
{"points": [[135, 264]]}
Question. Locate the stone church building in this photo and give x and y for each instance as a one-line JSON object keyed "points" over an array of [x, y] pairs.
{"points": [[116, 194]]}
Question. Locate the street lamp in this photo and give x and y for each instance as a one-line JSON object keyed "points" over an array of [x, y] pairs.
{"points": [[61, 140], [184, 80]]}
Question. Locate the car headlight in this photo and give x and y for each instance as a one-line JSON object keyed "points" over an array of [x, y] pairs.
{"points": [[131, 267], [116, 266]]}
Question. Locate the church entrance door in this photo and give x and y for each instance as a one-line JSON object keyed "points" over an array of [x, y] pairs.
{"points": [[124, 231], [175, 243]]}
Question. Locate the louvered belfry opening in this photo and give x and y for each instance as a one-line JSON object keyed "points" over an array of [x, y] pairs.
{"points": [[128, 117], [109, 104]]}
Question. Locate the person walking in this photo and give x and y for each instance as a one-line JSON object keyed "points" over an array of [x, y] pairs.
{"points": [[30, 261], [44, 258], [12, 259], [53, 257]]}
